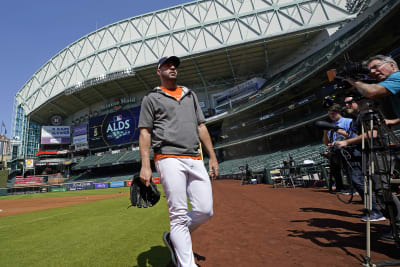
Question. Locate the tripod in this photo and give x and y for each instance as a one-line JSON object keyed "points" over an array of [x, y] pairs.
{"points": [[376, 163]]}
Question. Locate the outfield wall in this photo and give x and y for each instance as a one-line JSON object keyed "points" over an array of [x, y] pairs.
{"points": [[76, 186]]}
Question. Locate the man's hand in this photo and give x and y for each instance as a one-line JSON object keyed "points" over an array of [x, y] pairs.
{"points": [[145, 175], [352, 82], [213, 167], [340, 144]]}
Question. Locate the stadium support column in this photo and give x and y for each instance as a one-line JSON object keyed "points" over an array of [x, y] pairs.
{"points": [[230, 66], [267, 147], [2, 152], [267, 74], [208, 105], [26, 137]]}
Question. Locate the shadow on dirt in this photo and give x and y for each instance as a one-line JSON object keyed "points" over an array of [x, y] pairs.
{"points": [[343, 234], [160, 256]]}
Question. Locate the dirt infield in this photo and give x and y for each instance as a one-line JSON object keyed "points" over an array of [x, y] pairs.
{"points": [[17, 206], [257, 225]]}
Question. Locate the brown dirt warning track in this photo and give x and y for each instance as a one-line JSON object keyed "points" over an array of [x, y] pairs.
{"points": [[258, 225]]}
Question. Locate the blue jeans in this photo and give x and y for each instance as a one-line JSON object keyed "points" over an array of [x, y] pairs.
{"points": [[357, 178]]}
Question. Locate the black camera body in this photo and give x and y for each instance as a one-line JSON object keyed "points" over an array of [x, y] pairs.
{"points": [[328, 101], [354, 70]]}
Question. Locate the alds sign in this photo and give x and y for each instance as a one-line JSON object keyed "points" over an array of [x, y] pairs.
{"points": [[114, 129]]}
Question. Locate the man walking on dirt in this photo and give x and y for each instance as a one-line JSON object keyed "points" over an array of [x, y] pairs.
{"points": [[171, 121]]}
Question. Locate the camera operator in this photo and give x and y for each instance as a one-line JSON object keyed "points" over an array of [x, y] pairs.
{"points": [[355, 161], [386, 71], [329, 137]]}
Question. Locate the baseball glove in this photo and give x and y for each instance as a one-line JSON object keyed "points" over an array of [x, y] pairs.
{"points": [[143, 196]]}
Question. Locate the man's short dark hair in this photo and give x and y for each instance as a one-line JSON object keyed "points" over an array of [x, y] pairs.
{"points": [[335, 108]]}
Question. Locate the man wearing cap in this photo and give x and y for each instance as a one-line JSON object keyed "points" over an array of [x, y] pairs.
{"points": [[352, 103], [171, 121], [329, 137]]}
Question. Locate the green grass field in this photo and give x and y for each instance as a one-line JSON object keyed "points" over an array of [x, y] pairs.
{"points": [[101, 233]]}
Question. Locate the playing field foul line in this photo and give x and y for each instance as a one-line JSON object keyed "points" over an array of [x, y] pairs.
{"points": [[38, 219]]}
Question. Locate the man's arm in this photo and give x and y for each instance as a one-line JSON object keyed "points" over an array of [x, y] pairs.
{"points": [[342, 132], [207, 144], [325, 138], [144, 146], [392, 122], [369, 90], [347, 142], [355, 140]]}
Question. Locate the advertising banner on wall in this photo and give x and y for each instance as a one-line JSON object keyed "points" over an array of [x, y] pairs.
{"points": [[29, 163], [58, 189], [117, 184], [114, 128], [80, 186], [101, 186], [55, 135], [81, 139], [79, 130]]}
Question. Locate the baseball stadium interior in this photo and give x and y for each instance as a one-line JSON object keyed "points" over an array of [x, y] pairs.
{"points": [[259, 72], [262, 71]]}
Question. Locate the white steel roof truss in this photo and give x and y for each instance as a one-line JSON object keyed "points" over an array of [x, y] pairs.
{"points": [[118, 62], [211, 39], [193, 27], [248, 32], [117, 32], [181, 41], [334, 11], [125, 54]]}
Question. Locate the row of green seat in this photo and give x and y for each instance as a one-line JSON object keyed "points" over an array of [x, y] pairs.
{"points": [[273, 160], [108, 159]]}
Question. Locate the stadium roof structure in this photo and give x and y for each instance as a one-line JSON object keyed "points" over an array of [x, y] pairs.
{"points": [[219, 41]]}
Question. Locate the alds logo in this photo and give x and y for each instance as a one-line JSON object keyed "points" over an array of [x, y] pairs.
{"points": [[118, 126]]}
